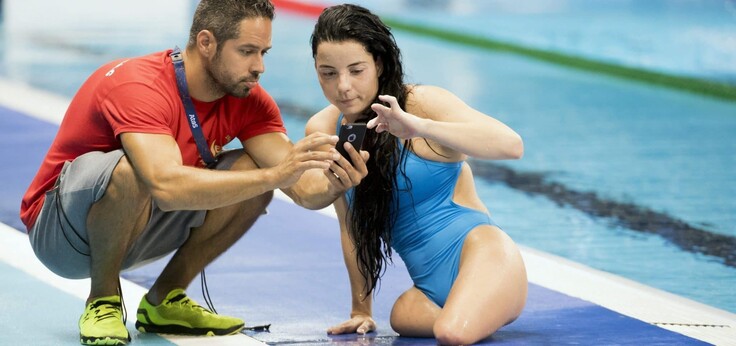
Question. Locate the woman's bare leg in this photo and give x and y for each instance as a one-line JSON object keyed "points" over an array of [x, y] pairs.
{"points": [[489, 292], [414, 314]]}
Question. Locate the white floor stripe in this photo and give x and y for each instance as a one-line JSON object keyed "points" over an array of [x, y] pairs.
{"points": [[613, 292], [36, 103], [16, 250], [631, 298]]}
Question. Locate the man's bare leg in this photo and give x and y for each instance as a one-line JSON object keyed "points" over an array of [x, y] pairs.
{"points": [[116, 221], [113, 224], [221, 229]]}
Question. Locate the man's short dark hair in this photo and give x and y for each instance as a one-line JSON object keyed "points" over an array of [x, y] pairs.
{"points": [[223, 17]]}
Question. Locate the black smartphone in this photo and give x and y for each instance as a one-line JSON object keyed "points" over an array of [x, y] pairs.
{"points": [[353, 134]]}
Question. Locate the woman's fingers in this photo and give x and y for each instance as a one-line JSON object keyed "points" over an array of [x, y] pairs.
{"points": [[391, 100], [366, 326], [343, 328]]}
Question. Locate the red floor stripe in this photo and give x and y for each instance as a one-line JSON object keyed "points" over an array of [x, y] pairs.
{"points": [[312, 10]]}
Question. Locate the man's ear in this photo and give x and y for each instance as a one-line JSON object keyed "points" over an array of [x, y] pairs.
{"points": [[206, 43]]}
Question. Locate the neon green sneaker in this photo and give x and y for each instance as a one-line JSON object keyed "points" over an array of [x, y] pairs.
{"points": [[179, 314], [102, 323]]}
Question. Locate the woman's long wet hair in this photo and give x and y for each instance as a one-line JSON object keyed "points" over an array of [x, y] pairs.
{"points": [[370, 216]]}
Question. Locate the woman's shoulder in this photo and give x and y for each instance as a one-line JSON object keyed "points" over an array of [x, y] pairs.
{"points": [[424, 100], [426, 93], [323, 121]]}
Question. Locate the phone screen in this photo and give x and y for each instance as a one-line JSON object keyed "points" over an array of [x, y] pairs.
{"points": [[351, 133]]}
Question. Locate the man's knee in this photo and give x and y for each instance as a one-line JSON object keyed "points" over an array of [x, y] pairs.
{"points": [[235, 160], [240, 160], [262, 201], [246, 211], [125, 197], [124, 182]]}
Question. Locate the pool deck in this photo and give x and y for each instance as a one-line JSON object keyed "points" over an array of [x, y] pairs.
{"points": [[568, 302]]}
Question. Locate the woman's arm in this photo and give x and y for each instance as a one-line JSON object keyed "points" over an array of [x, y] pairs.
{"points": [[361, 320], [443, 118]]}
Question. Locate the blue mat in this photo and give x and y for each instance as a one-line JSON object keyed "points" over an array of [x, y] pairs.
{"points": [[287, 271]]}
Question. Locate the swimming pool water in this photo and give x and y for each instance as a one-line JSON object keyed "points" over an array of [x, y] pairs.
{"points": [[661, 149], [656, 148]]}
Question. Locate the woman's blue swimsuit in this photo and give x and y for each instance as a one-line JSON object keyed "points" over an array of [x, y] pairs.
{"points": [[430, 228]]}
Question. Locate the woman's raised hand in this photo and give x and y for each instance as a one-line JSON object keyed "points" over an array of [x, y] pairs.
{"points": [[394, 119]]}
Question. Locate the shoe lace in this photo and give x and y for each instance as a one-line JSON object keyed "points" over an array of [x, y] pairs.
{"points": [[206, 292], [106, 309], [182, 300]]}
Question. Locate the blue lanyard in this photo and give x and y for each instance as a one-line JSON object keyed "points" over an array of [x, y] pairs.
{"points": [[190, 112]]}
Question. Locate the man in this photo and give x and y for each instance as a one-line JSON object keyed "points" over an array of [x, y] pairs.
{"points": [[124, 183]]}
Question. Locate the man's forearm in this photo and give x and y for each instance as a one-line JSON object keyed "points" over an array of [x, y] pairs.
{"points": [[313, 191]]}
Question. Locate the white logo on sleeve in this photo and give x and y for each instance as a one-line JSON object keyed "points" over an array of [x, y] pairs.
{"points": [[112, 70]]}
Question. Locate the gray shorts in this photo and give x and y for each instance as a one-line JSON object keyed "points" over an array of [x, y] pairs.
{"points": [[59, 236]]}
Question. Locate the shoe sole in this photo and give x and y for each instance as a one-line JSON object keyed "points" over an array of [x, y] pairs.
{"points": [[181, 330], [107, 340]]}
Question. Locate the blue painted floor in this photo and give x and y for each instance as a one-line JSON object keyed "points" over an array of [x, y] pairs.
{"points": [[625, 143], [287, 271], [592, 134]]}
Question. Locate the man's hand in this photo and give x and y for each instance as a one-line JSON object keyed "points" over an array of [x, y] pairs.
{"points": [[305, 155]]}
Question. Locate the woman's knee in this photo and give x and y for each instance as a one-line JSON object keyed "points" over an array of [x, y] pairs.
{"points": [[413, 314], [397, 313], [454, 332]]}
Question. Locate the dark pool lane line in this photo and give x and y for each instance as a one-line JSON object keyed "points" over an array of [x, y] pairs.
{"points": [[631, 216]]}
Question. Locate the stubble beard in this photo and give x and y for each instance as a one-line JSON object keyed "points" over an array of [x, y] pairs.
{"points": [[222, 82]]}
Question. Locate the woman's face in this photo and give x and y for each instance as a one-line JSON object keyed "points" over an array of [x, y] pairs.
{"points": [[348, 76]]}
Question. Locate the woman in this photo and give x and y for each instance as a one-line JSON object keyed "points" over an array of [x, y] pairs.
{"points": [[418, 197]]}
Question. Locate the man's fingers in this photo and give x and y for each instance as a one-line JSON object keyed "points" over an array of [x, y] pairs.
{"points": [[315, 141], [331, 173], [317, 155], [314, 164]]}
